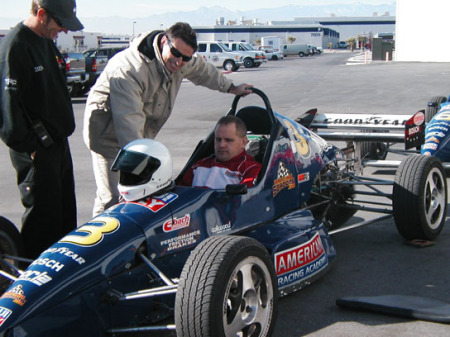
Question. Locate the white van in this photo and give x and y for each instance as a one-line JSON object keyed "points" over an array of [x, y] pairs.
{"points": [[220, 55], [252, 58], [296, 49]]}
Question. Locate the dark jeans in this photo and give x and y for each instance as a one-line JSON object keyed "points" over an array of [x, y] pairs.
{"points": [[47, 191]]}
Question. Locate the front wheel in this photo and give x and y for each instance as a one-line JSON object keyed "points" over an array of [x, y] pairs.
{"points": [[11, 246], [227, 288], [420, 198]]}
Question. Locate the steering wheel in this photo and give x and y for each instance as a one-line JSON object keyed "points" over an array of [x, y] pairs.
{"points": [[263, 96]]}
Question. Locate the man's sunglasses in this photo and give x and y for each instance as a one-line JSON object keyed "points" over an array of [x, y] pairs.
{"points": [[175, 52]]}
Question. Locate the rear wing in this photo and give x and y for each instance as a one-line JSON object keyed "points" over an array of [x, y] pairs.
{"points": [[368, 128]]}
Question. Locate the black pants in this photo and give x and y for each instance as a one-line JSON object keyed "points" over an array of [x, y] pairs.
{"points": [[47, 191]]}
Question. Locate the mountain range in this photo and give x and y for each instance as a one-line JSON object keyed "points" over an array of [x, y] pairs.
{"points": [[207, 16]]}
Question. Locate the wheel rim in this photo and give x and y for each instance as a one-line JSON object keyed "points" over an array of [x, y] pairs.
{"points": [[228, 66], [435, 198], [248, 302]]}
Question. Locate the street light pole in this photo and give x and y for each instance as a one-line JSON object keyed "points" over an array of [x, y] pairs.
{"points": [[134, 22]]}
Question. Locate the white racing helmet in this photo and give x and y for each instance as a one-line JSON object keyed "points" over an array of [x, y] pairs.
{"points": [[145, 167]]}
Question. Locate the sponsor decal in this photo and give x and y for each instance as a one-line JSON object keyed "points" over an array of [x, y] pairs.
{"points": [[430, 146], [369, 120], [221, 228], [300, 262], [285, 179], [437, 127], [303, 177], [36, 277], [16, 294], [443, 116], [419, 118], [52, 264], [181, 241], [412, 131], [93, 232], [437, 134], [433, 139], [4, 314], [175, 223], [156, 204], [65, 252]]}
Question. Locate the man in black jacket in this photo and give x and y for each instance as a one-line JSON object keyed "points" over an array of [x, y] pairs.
{"points": [[36, 117]]}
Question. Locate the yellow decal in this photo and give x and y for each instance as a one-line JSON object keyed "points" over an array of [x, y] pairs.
{"points": [[93, 234], [300, 141], [443, 116]]}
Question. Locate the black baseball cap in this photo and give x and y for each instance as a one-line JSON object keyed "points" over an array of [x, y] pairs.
{"points": [[65, 11]]}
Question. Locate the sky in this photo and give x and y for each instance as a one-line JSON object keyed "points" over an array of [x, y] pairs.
{"points": [[142, 8]]}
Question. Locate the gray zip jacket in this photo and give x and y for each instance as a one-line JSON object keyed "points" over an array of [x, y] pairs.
{"points": [[135, 94]]}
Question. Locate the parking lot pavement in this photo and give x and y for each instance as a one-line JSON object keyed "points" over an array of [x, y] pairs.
{"points": [[371, 260]]}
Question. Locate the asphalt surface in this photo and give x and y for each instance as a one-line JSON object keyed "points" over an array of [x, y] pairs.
{"points": [[372, 260]]}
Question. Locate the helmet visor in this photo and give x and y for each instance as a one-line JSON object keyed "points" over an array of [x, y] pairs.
{"points": [[135, 168]]}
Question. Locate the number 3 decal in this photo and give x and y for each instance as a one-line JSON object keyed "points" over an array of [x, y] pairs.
{"points": [[93, 234]]}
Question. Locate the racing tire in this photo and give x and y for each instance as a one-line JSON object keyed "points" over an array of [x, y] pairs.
{"points": [[373, 150], [11, 244], [248, 63], [420, 198], [433, 107], [227, 288]]}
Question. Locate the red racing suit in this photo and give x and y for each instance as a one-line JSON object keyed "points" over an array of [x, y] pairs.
{"points": [[210, 173]]}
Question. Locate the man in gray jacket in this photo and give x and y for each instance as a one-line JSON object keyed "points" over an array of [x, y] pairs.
{"points": [[135, 94]]}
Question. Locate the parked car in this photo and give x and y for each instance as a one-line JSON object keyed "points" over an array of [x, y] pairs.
{"points": [[75, 72], [96, 60], [272, 54], [220, 55]]}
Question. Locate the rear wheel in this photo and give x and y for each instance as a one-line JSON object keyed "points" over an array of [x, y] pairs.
{"points": [[420, 198], [227, 288], [433, 107], [301, 54], [11, 245]]}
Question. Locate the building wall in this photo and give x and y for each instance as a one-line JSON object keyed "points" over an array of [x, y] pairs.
{"points": [[419, 36], [349, 27]]}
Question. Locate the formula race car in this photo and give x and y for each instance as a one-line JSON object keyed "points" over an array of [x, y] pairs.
{"points": [[214, 260]]}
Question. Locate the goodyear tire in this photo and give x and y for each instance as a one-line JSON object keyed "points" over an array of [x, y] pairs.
{"points": [[433, 107], [11, 245], [420, 198], [227, 288]]}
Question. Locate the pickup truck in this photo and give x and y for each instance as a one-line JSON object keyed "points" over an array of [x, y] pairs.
{"points": [[75, 72], [96, 60]]}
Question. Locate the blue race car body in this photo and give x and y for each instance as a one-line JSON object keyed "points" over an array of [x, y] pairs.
{"points": [[437, 134], [214, 259], [77, 286]]}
